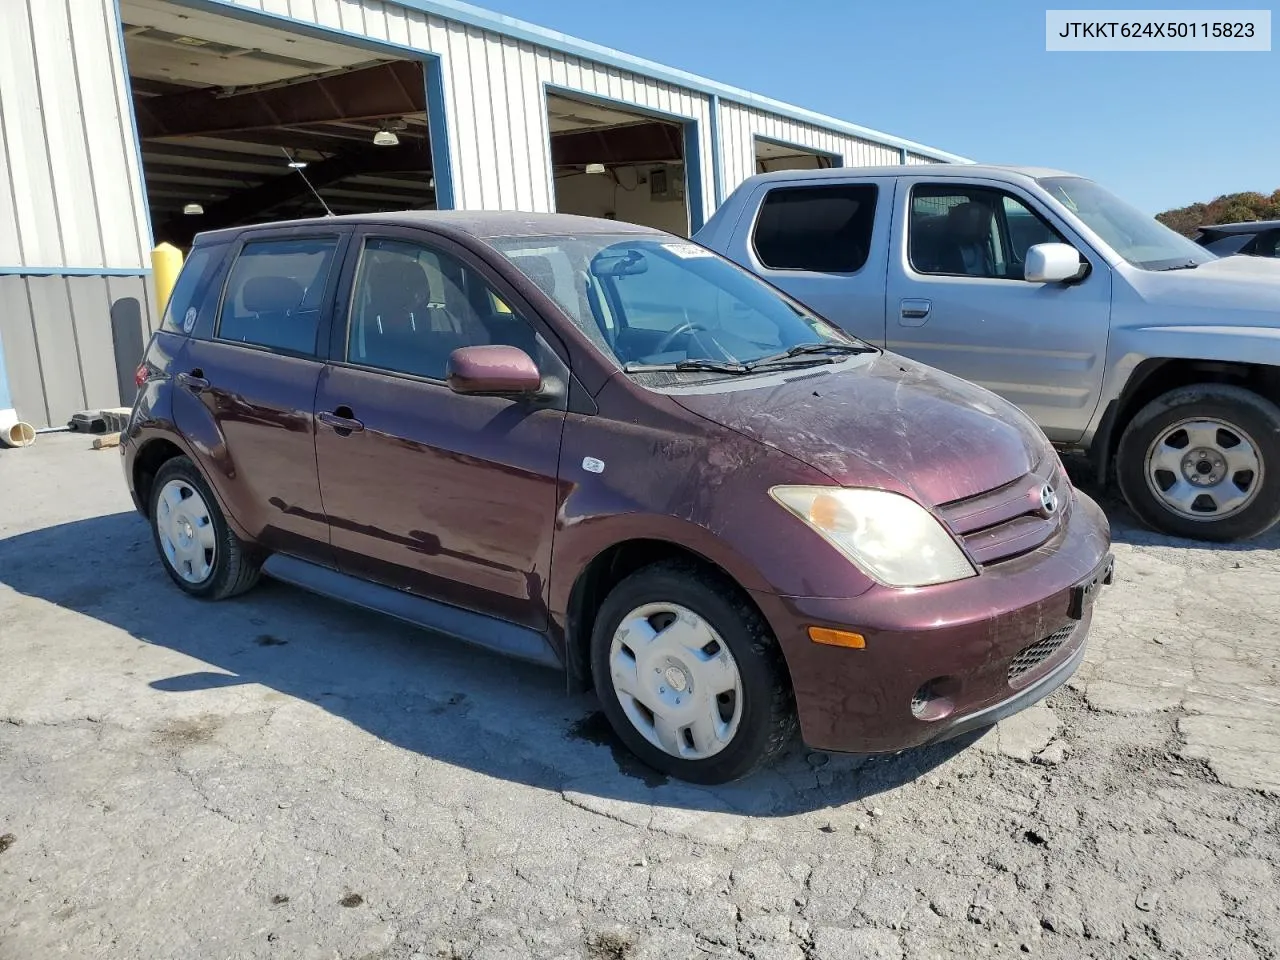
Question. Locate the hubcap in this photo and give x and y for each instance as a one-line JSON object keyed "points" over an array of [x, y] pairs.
{"points": [[1204, 469], [186, 531], [676, 680]]}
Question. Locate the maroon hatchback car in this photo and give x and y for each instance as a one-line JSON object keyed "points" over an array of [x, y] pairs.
{"points": [[606, 449]]}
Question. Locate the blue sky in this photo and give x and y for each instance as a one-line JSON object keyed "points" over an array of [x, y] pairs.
{"points": [[972, 77]]}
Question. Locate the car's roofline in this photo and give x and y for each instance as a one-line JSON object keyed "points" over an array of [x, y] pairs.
{"points": [[1244, 226], [940, 170], [479, 225]]}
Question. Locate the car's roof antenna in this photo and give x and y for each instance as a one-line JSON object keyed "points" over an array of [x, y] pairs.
{"points": [[297, 167]]}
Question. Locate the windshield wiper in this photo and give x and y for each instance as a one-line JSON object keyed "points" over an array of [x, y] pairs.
{"points": [[681, 366], [1189, 265], [812, 353]]}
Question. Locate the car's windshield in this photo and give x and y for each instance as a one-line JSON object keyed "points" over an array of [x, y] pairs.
{"points": [[653, 301], [1142, 240]]}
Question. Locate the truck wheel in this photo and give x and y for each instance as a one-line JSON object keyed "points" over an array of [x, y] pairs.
{"points": [[689, 674], [1203, 462], [199, 551]]}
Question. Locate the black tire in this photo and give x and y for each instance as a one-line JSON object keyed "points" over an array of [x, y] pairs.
{"points": [[768, 720], [1255, 415], [235, 569]]}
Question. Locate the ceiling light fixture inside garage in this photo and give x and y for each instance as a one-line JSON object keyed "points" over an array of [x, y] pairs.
{"points": [[596, 168], [386, 138], [193, 209]]}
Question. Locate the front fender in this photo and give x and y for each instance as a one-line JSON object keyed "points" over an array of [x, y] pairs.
{"points": [[1133, 346]]}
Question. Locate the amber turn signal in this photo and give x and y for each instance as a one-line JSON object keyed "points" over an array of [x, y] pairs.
{"points": [[837, 638]]}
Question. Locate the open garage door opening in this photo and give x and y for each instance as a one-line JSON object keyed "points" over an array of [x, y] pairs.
{"points": [[242, 123], [773, 155], [620, 164]]}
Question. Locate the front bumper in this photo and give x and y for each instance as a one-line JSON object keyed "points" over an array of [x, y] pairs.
{"points": [[953, 645]]}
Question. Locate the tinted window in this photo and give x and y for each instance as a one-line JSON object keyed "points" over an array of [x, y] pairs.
{"points": [[412, 306], [275, 293], [816, 229], [957, 230], [182, 311], [1268, 244]]}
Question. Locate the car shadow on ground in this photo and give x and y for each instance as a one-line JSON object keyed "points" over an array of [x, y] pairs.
{"points": [[421, 692]]}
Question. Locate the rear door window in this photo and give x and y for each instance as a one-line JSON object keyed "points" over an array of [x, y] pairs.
{"points": [[816, 229], [275, 294]]}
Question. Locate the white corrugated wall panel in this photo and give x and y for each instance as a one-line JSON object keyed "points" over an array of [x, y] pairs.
{"points": [[740, 125], [914, 159], [74, 192], [494, 102]]}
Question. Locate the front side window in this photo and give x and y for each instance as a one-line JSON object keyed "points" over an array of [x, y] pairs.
{"points": [[647, 300], [966, 231], [275, 293], [1143, 241], [413, 305], [816, 229]]}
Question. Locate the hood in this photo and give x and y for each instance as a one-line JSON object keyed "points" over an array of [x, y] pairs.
{"points": [[1248, 288], [881, 421]]}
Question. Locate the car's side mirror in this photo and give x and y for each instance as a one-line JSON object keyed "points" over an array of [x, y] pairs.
{"points": [[494, 370], [1053, 263]]}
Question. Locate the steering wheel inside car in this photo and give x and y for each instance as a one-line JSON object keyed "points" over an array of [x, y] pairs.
{"points": [[679, 330]]}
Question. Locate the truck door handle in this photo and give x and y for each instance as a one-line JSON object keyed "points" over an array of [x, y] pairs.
{"points": [[342, 420], [194, 381], [915, 312]]}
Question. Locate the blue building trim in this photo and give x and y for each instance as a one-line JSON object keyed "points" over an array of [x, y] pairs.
{"points": [[717, 163], [6, 399], [74, 271], [692, 145], [521, 30], [133, 126]]}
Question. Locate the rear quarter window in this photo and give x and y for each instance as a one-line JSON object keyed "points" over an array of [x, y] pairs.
{"points": [[816, 229], [190, 293]]}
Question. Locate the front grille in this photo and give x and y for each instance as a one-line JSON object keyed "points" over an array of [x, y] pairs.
{"points": [[1009, 521], [1028, 658]]}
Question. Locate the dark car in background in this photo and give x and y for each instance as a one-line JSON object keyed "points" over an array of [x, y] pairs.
{"points": [[609, 450], [1258, 238]]}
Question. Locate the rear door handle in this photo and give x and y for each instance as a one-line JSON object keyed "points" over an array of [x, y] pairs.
{"points": [[343, 423], [913, 313], [194, 381]]}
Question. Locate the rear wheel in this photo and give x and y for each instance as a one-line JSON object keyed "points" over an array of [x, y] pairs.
{"points": [[1204, 462], [199, 551], [689, 674]]}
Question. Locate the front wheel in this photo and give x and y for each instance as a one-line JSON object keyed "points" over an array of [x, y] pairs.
{"points": [[1203, 462], [689, 674]]}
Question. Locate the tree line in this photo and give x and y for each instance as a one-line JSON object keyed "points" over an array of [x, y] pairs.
{"points": [[1229, 208]]}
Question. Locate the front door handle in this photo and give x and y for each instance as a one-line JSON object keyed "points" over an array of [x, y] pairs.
{"points": [[914, 313], [343, 422], [194, 381]]}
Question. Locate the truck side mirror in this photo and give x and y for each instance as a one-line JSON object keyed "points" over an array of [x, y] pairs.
{"points": [[1053, 263]]}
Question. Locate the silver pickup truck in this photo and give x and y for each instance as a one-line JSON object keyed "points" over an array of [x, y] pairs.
{"points": [[1118, 336]]}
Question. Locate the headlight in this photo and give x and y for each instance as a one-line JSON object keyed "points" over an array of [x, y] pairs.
{"points": [[891, 538]]}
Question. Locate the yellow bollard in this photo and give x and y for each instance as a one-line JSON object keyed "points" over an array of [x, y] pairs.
{"points": [[166, 264]]}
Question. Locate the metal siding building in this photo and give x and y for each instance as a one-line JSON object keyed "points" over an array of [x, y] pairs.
{"points": [[75, 228]]}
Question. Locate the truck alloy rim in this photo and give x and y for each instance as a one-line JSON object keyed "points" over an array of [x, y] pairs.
{"points": [[1204, 469], [676, 680], [186, 531]]}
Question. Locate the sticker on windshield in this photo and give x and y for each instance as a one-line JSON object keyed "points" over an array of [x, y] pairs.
{"points": [[189, 321], [687, 251]]}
